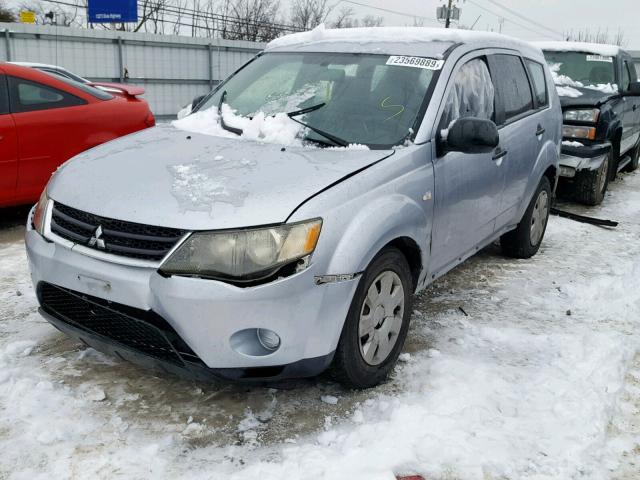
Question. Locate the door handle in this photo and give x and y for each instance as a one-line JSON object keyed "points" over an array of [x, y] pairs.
{"points": [[635, 107], [498, 154], [540, 130]]}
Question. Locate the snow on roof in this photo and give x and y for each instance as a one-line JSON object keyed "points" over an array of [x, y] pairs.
{"points": [[595, 48], [368, 35]]}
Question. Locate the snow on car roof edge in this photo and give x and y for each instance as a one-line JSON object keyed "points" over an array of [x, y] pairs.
{"points": [[368, 35], [595, 48]]}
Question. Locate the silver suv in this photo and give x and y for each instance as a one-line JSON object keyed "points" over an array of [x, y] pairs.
{"points": [[285, 224]]}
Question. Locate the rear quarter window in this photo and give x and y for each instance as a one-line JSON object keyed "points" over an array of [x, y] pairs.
{"points": [[536, 72]]}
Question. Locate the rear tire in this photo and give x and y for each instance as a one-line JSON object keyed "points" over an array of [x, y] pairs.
{"points": [[376, 326], [591, 185], [525, 240]]}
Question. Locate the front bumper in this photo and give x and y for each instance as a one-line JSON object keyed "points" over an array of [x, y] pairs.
{"points": [[587, 157], [204, 314]]}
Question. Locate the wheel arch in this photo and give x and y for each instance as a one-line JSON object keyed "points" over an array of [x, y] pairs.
{"points": [[395, 221]]}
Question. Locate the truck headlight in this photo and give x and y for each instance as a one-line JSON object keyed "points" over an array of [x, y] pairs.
{"points": [[40, 213], [582, 115], [572, 131], [243, 255]]}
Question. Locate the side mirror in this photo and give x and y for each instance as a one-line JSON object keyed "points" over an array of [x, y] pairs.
{"points": [[196, 101], [470, 135], [633, 91]]}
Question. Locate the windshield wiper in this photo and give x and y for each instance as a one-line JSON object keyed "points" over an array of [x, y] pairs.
{"points": [[337, 140], [229, 128]]}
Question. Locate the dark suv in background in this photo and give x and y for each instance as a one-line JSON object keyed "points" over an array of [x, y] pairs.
{"points": [[600, 97]]}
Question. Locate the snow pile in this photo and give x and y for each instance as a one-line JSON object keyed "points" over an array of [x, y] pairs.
{"points": [[365, 35], [278, 128], [582, 47]]}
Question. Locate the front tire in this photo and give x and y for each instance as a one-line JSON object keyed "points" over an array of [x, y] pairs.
{"points": [[525, 240], [591, 185], [376, 326]]}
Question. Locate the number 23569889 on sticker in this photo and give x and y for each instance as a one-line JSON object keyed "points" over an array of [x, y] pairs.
{"points": [[417, 62]]}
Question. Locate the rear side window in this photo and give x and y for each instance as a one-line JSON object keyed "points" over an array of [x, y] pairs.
{"points": [[93, 91], [472, 94], [28, 96], [536, 71], [4, 96], [513, 85]]}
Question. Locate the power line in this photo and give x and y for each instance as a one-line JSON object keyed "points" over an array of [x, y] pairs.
{"points": [[512, 21], [523, 17]]}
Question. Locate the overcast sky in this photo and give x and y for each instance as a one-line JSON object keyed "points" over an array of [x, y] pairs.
{"points": [[558, 15]]}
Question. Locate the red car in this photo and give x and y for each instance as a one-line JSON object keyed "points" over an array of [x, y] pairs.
{"points": [[46, 119]]}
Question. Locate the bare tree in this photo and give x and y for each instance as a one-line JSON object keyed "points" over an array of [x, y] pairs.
{"points": [[343, 19], [599, 36], [371, 21], [308, 14], [250, 20], [6, 15]]}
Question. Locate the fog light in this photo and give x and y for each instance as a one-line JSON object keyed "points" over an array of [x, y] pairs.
{"points": [[268, 339]]}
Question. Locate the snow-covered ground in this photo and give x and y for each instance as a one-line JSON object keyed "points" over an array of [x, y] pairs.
{"points": [[514, 370]]}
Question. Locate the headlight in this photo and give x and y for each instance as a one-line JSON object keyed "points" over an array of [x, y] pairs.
{"points": [[40, 213], [571, 131], [582, 115], [243, 254]]}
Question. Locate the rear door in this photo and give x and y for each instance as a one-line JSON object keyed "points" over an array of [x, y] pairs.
{"points": [[49, 123], [522, 129], [8, 148], [630, 120]]}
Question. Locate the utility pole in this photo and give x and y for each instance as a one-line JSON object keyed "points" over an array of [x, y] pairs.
{"points": [[448, 20]]}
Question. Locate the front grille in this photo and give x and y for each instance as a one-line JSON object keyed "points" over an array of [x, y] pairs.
{"points": [[141, 330], [117, 237]]}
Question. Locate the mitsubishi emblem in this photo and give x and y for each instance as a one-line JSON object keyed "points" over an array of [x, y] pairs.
{"points": [[96, 240]]}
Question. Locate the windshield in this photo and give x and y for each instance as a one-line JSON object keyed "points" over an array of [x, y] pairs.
{"points": [[581, 69], [358, 98]]}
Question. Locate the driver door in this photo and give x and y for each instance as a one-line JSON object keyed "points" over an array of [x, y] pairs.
{"points": [[8, 148], [468, 187]]}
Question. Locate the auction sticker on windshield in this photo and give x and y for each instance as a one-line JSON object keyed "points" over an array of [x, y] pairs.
{"points": [[599, 58], [417, 62]]}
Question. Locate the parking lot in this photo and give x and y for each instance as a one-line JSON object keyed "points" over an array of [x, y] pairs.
{"points": [[513, 369]]}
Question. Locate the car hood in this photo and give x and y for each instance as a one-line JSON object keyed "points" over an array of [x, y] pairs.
{"points": [[589, 97], [168, 177]]}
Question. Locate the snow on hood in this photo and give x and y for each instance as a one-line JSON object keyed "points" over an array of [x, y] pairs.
{"points": [[365, 35], [278, 128], [567, 86], [162, 176], [595, 48]]}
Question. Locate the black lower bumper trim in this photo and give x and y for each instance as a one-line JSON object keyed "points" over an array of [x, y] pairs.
{"points": [[187, 369]]}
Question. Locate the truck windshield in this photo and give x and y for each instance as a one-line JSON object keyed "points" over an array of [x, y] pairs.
{"points": [[367, 99], [582, 67]]}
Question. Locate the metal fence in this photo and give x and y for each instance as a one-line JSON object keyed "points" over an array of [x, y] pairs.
{"points": [[172, 69]]}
